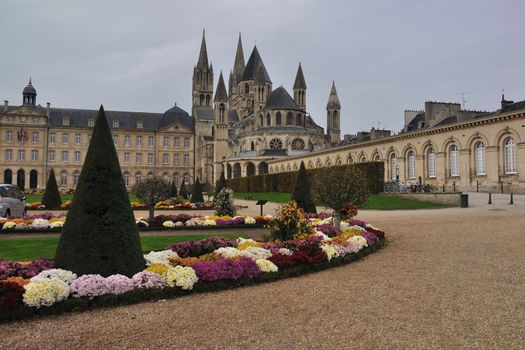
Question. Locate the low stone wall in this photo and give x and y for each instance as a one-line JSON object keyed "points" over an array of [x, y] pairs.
{"points": [[445, 198]]}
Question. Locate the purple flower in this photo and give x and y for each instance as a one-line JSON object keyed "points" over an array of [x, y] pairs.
{"points": [[89, 286], [16, 269], [370, 237], [226, 269], [147, 279]]}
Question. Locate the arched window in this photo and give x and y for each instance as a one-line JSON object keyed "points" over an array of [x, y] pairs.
{"points": [[208, 98], [289, 118], [246, 88], [411, 165], [126, 179], [138, 178], [63, 179], [268, 119], [510, 157], [362, 159], [252, 146], [165, 178], [261, 122], [299, 119], [8, 176], [76, 176], [480, 159], [454, 160], [176, 179], [221, 112], [278, 118], [33, 179], [201, 100], [350, 159], [393, 166], [431, 163]]}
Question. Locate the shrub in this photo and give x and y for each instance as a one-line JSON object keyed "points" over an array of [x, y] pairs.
{"points": [[51, 199], [289, 222], [224, 203], [100, 235], [183, 192], [151, 191], [221, 183], [196, 192]]}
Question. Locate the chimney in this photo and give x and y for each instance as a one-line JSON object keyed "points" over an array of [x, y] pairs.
{"points": [[6, 103], [48, 109], [504, 102]]}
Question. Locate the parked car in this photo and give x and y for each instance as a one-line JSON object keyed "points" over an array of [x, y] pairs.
{"points": [[11, 202]]}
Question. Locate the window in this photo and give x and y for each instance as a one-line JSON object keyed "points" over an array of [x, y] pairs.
{"points": [[65, 121], [186, 179], [126, 157], [21, 155], [268, 120], [176, 179], [166, 142], [127, 140], [151, 141], [454, 161], [91, 122], [276, 144], [151, 158], [289, 118], [77, 156], [510, 157], [65, 138], [36, 120], [77, 139], [221, 113], [9, 136], [176, 159], [10, 119], [140, 124], [34, 137], [334, 120], [411, 165], [52, 137], [186, 159], [8, 154], [51, 156], [126, 179], [34, 155], [76, 176], [393, 166], [176, 142], [138, 178], [65, 156], [165, 159], [186, 142], [246, 88], [299, 119], [278, 119], [63, 179], [431, 163], [115, 140], [298, 144], [480, 159], [116, 123], [139, 141], [138, 158], [165, 178]]}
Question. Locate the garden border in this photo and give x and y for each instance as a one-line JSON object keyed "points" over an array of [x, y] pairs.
{"points": [[141, 295]]}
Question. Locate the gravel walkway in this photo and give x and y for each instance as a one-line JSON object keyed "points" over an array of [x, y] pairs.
{"points": [[449, 279]]}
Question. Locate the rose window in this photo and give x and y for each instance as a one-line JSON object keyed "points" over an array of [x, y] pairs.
{"points": [[276, 144], [298, 145]]}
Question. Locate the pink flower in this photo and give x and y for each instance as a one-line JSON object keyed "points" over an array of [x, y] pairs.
{"points": [[119, 284]]}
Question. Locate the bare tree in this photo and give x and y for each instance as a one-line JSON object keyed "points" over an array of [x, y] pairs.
{"points": [[338, 187], [150, 191]]}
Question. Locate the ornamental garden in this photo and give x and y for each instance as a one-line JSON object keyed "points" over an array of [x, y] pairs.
{"points": [[99, 260]]}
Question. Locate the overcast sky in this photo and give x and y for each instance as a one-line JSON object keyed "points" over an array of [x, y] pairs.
{"points": [[385, 56]]}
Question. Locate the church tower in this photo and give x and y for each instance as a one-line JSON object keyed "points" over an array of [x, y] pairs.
{"points": [[299, 89], [220, 127], [202, 85], [333, 116], [238, 68]]}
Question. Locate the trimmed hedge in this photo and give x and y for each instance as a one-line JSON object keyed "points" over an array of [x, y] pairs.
{"points": [[139, 295], [374, 173]]}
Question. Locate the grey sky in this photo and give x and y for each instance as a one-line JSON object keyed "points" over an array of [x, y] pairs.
{"points": [[385, 56]]}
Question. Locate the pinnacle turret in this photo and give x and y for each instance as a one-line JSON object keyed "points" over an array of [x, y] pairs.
{"points": [[221, 94], [299, 83], [238, 66], [202, 63], [333, 99]]}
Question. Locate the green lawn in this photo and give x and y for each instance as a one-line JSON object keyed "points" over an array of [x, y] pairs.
{"points": [[29, 248], [376, 201], [37, 197]]}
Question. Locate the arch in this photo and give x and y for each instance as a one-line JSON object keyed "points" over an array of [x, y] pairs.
{"points": [[409, 147], [506, 132], [450, 141], [349, 159], [288, 167], [318, 163], [261, 120], [328, 162], [33, 179], [21, 179], [246, 88], [310, 164], [8, 176], [411, 164], [476, 137], [362, 157], [299, 119], [430, 153], [394, 168], [278, 118], [509, 156], [295, 166], [252, 146], [237, 170], [271, 169], [289, 118], [268, 119], [165, 178], [376, 156], [228, 171], [63, 178], [125, 177], [250, 169], [479, 158], [338, 160], [282, 167], [263, 168], [453, 153]]}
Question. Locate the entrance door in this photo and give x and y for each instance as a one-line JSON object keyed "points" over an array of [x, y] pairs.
{"points": [[21, 179]]}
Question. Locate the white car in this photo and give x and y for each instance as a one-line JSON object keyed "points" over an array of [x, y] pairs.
{"points": [[11, 202]]}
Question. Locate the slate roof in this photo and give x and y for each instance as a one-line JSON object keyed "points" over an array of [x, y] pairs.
{"points": [[221, 94], [414, 123], [203, 113], [448, 120], [177, 115], [281, 99], [254, 62], [513, 106], [29, 89], [299, 83], [333, 99], [233, 116]]}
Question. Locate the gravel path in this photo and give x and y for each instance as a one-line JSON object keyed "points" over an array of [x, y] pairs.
{"points": [[449, 279]]}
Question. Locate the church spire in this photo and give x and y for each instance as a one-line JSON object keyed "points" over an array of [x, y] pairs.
{"points": [[221, 94], [202, 64], [333, 99], [299, 83], [333, 115], [238, 66]]}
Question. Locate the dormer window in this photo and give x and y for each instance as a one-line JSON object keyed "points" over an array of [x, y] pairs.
{"points": [[10, 119], [91, 122], [140, 124], [65, 121], [115, 123]]}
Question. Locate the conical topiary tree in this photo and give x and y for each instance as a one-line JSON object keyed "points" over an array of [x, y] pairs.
{"points": [[51, 199], [183, 192], [173, 190], [100, 235], [301, 192], [221, 183], [196, 192]]}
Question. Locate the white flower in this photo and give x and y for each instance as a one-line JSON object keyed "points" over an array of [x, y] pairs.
{"points": [[179, 276], [9, 225], [168, 223], [40, 224], [45, 292], [56, 224], [160, 257], [321, 234], [266, 265], [330, 251], [249, 220], [63, 275], [285, 251]]}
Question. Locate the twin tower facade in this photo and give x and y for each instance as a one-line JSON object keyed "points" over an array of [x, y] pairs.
{"points": [[240, 128]]}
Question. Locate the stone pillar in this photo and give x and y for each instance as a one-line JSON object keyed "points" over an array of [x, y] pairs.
{"points": [[420, 166], [441, 166], [464, 171], [492, 167]]}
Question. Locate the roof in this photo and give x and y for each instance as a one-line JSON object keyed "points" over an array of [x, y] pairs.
{"points": [[281, 99], [333, 99], [203, 113], [29, 89], [449, 120], [238, 66], [221, 94], [299, 83], [233, 116], [254, 62], [514, 106], [202, 63], [414, 123], [177, 115]]}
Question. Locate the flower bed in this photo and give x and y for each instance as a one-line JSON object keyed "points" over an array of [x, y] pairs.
{"points": [[36, 288], [164, 205]]}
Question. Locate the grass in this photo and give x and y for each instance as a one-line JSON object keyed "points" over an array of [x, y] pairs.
{"points": [[37, 197], [29, 248], [375, 202]]}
